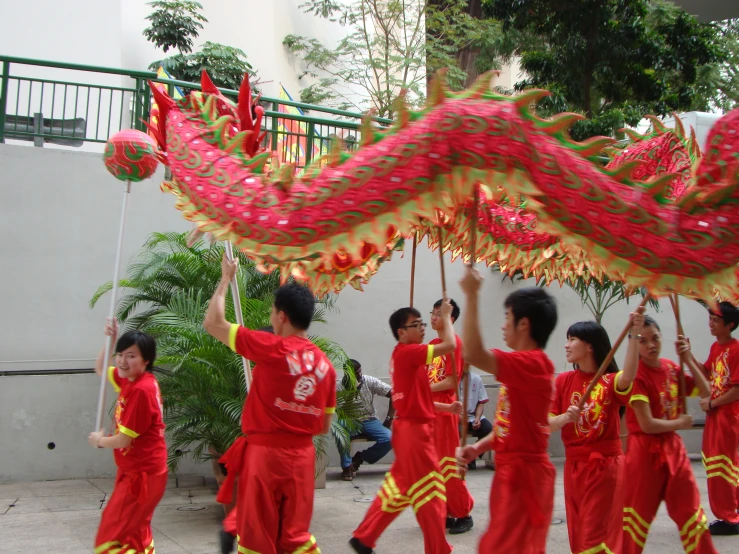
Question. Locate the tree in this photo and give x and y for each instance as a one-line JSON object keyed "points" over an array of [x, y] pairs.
{"points": [[174, 25], [719, 83], [385, 51], [612, 60]]}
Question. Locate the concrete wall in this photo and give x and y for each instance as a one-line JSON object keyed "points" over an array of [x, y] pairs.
{"points": [[59, 220]]}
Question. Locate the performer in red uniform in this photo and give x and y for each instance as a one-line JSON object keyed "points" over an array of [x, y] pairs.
{"points": [[292, 398], [139, 448], [444, 384], [657, 465], [522, 495], [594, 459], [228, 532], [414, 478], [721, 435]]}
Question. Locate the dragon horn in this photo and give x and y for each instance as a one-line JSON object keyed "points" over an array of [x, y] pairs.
{"points": [[657, 124], [530, 96], [679, 127], [437, 89], [559, 122], [633, 135], [244, 105], [207, 85], [592, 146], [658, 186], [482, 83]]}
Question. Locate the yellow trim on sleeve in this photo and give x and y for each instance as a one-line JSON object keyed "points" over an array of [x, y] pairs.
{"points": [[430, 354], [232, 332], [638, 398], [615, 385], [330, 410], [111, 378], [127, 431]]}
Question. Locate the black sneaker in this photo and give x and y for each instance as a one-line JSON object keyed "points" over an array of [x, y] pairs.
{"points": [[462, 525], [720, 527], [450, 521], [347, 474], [227, 541], [356, 462], [360, 548]]}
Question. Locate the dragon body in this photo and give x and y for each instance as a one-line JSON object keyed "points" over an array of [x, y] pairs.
{"points": [[347, 213]]}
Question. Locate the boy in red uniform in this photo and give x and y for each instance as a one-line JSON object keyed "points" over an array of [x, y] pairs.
{"points": [[657, 465], [414, 478], [522, 495], [444, 378], [140, 451], [292, 398], [721, 435], [593, 475]]}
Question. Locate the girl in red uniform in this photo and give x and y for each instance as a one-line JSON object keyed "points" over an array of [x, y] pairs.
{"points": [[138, 446], [593, 476], [657, 464]]}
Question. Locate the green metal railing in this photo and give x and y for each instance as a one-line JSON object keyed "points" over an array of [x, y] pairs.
{"points": [[73, 113]]}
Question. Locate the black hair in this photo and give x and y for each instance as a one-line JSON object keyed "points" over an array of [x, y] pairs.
{"points": [[650, 322], [538, 307], [400, 318], [455, 308], [596, 336], [146, 343], [297, 303], [729, 313], [350, 366]]}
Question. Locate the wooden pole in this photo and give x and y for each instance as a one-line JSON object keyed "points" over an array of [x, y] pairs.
{"points": [[674, 300], [609, 358], [466, 370], [413, 265]]}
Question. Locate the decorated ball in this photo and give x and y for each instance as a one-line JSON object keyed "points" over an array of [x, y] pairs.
{"points": [[131, 155]]}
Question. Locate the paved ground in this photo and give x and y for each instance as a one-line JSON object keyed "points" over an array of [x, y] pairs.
{"points": [[62, 516]]}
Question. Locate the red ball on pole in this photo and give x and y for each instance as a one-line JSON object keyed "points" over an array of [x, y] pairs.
{"points": [[131, 155]]}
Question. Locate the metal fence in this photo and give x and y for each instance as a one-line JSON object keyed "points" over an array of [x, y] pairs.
{"points": [[72, 110]]}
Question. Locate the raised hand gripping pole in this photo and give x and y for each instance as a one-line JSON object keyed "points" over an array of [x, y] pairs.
{"points": [[239, 314], [674, 300], [111, 310], [609, 358]]}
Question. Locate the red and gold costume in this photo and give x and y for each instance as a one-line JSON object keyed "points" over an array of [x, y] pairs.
{"points": [[415, 478], [459, 501], [593, 476], [658, 467], [522, 495], [125, 525], [293, 387], [721, 435]]}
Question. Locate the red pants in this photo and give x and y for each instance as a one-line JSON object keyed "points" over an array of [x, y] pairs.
{"points": [[657, 468], [230, 522], [521, 504], [459, 501], [277, 481], [594, 497], [414, 480], [125, 525], [721, 460]]}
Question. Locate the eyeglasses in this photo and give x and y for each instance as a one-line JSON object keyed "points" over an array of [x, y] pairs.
{"points": [[417, 325], [435, 314]]}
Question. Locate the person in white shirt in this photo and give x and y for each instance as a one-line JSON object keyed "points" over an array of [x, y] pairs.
{"points": [[371, 427], [478, 425]]}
